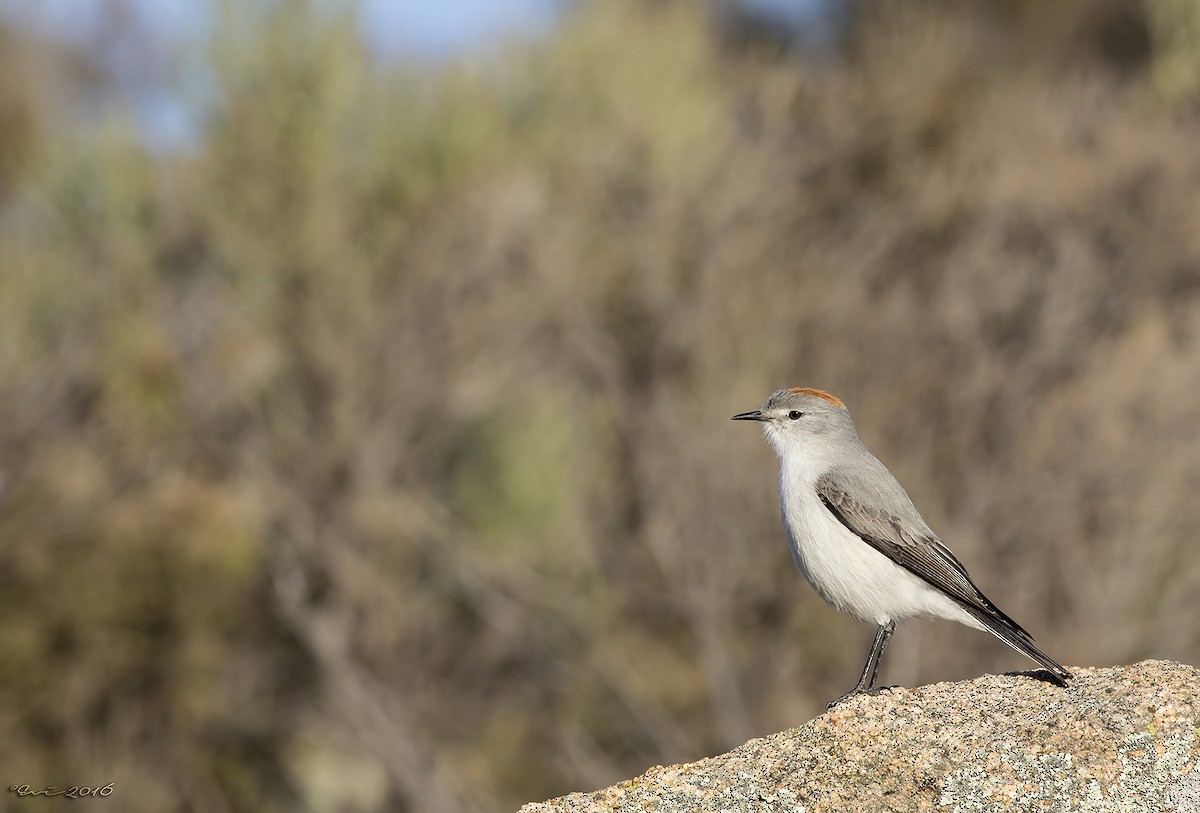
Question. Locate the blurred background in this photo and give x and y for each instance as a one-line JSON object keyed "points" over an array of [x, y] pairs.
{"points": [[366, 373]]}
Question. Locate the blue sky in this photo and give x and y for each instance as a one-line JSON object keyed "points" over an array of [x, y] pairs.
{"points": [[142, 39], [154, 32], [432, 29], [449, 27], [429, 28]]}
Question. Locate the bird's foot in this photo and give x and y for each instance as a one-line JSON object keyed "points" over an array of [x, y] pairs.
{"points": [[857, 690], [852, 693]]}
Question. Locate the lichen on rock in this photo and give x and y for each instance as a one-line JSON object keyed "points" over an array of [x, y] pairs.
{"points": [[1117, 739]]}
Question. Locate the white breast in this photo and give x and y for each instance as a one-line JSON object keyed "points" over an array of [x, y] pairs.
{"points": [[846, 571]]}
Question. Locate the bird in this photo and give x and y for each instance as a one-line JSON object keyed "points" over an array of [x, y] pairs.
{"points": [[858, 539]]}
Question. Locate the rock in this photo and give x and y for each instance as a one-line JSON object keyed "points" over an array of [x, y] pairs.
{"points": [[1117, 739]]}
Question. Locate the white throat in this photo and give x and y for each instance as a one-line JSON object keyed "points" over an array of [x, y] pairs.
{"points": [[802, 459]]}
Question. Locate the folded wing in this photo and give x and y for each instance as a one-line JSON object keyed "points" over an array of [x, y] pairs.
{"points": [[910, 544]]}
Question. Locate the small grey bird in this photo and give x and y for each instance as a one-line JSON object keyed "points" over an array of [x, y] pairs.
{"points": [[858, 539]]}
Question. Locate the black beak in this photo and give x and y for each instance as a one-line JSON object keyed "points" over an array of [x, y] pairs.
{"points": [[756, 415]]}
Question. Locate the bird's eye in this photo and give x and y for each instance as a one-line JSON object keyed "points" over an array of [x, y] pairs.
{"points": [[795, 414]]}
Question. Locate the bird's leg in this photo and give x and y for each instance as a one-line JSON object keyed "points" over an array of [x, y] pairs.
{"points": [[871, 670]]}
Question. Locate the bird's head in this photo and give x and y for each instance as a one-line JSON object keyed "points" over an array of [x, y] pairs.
{"points": [[803, 420]]}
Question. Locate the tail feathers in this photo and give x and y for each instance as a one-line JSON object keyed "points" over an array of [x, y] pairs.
{"points": [[1010, 633]]}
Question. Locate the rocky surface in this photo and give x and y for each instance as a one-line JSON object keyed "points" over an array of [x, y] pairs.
{"points": [[1117, 739]]}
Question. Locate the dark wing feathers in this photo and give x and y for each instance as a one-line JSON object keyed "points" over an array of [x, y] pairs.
{"points": [[917, 549]]}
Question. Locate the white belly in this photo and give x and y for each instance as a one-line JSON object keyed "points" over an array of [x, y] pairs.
{"points": [[851, 575]]}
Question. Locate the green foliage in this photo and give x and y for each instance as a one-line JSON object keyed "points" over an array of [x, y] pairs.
{"points": [[1175, 31], [511, 476]]}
